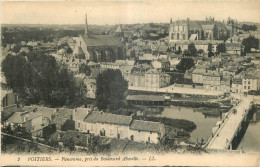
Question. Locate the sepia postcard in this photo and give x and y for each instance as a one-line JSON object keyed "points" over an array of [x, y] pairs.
{"points": [[130, 83]]}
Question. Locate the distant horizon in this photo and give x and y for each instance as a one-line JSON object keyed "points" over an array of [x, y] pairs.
{"points": [[124, 12]]}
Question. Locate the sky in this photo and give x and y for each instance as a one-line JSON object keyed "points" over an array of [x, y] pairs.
{"points": [[124, 12]]}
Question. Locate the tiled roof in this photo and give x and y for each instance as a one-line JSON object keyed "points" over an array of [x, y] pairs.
{"points": [[81, 113], [152, 71], [209, 26], [212, 73], [101, 117], [145, 97], [145, 126], [46, 112], [101, 40], [199, 71], [15, 118], [18, 117]]}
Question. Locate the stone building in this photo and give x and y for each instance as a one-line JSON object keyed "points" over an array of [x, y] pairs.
{"points": [[99, 48], [197, 30], [122, 127]]}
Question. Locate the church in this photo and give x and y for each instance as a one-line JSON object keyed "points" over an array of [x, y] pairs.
{"points": [[98, 48], [208, 29]]}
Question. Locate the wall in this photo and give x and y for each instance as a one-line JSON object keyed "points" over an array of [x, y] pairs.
{"points": [[143, 136]]}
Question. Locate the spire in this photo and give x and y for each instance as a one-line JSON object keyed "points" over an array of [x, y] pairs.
{"points": [[171, 21], [86, 25]]}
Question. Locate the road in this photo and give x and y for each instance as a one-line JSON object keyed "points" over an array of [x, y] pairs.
{"points": [[228, 129]]}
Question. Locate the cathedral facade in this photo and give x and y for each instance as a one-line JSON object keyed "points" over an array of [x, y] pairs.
{"points": [[198, 30]]}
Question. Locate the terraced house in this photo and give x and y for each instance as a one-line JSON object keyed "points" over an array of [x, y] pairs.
{"points": [[122, 127]]}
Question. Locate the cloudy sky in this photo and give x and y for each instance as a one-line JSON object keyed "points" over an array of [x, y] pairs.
{"points": [[118, 12]]}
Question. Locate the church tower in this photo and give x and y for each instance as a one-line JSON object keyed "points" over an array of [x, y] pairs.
{"points": [[86, 25]]}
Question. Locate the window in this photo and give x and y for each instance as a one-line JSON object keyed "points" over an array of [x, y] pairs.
{"points": [[183, 28], [248, 82], [178, 36], [172, 36], [244, 87], [244, 82], [183, 36], [78, 125], [248, 87]]}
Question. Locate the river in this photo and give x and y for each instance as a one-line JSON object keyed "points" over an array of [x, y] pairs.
{"points": [[251, 139], [203, 122]]}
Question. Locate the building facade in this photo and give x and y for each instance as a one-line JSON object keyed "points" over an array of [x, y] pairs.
{"points": [[156, 79], [123, 127], [197, 30]]}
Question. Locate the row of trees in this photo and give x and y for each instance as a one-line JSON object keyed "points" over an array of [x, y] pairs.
{"points": [[19, 34], [248, 28], [39, 79], [250, 42]]}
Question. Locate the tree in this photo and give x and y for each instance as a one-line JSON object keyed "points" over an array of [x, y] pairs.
{"points": [[192, 49], [200, 51], [210, 53], [247, 28], [85, 69], [250, 42], [111, 87], [186, 52], [38, 78], [179, 50], [221, 48], [185, 64]]}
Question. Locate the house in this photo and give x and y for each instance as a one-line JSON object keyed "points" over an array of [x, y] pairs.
{"points": [[136, 80], [27, 119], [229, 72], [91, 87], [148, 56], [156, 79], [106, 124], [225, 86], [123, 127], [79, 115], [163, 64], [237, 86], [234, 48], [251, 82], [146, 131], [47, 113], [8, 104], [211, 80], [197, 75], [109, 65], [63, 119]]}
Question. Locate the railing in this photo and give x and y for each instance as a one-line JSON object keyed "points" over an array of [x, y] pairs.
{"points": [[222, 124]]}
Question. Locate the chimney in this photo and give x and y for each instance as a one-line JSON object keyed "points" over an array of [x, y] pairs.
{"points": [[171, 21]]}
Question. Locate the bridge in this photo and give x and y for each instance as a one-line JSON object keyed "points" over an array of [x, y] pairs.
{"points": [[225, 131]]}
